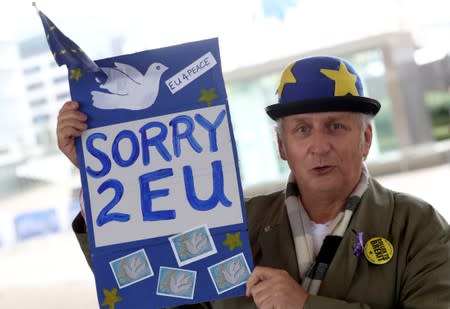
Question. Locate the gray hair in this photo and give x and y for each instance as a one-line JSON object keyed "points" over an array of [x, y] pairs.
{"points": [[366, 119]]}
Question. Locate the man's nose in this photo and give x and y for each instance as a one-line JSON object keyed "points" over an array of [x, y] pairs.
{"points": [[319, 143]]}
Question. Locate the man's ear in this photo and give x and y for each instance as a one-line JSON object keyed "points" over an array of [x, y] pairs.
{"points": [[367, 140], [281, 149]]}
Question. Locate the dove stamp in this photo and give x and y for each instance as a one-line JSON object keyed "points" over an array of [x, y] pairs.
{"points": [[192, 245], [131, 268], [175, 282], [191, 72], [229, 273]]}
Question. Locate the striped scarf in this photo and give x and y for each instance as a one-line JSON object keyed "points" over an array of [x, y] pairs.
{"points": [[312, 271]]}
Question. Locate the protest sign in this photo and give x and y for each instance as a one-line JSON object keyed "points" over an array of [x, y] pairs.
{"points": [[159, 170]]}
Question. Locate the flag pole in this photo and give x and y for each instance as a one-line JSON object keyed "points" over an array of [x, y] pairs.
{"points": [[35, 6]]}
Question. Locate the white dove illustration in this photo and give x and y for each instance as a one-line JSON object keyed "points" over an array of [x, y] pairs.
{"points": [[180, 283], [233, 272], [134, 267], [197, 243], [128, 88]]}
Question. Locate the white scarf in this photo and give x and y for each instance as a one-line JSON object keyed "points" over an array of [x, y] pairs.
{"points": [[311, 270]]}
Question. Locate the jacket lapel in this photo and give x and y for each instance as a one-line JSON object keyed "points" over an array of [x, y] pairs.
{"points": [[373, 218], [277, 247]]}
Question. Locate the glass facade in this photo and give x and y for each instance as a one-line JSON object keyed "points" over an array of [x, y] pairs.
{"points": [[253, 129], [371, 67]]}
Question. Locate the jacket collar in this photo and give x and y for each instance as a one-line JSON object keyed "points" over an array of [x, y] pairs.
{"points": [[276, 243], [372, 217]]}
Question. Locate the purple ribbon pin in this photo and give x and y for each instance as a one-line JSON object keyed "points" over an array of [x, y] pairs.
{"points": [[359, 245]]}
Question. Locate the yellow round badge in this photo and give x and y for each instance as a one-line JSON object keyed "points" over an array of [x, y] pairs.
{"points": [[378, 250]]}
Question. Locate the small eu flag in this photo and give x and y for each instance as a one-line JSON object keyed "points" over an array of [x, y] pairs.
{"points": [[65, 51]]}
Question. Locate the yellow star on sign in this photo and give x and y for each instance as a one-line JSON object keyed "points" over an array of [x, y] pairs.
{"points": [[233, 240], [344, 81], [286, 78], [111, 298], [208, 96], [76, 74]]}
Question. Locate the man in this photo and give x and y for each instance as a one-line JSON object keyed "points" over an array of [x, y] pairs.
{"points": [[335, 238]]}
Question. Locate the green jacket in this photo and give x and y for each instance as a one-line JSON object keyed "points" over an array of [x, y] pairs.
{"points": [[418, 275]]}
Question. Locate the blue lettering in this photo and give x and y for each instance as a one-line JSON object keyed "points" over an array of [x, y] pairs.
{"points": [[156, 141], [134, 148], [104, 216], [218, 194], [211, 128], [100, 155], [187, 134], [148, 195]]}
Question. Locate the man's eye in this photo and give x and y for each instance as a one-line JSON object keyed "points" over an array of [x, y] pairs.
{"points": [[337, 126], [303, 129]]}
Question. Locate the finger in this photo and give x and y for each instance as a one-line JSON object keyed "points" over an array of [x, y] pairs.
{"points": [[262, 293], [262, 287], [71, 114], [267, 303], [258, 274], [70, 111], [71, 123], [69, 105], [66, 136], [66, 139]]}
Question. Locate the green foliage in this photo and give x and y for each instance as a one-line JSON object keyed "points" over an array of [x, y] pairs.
{"points": [[442, 132], [438, 104]]}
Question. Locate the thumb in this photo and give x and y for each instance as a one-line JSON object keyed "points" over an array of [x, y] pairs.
{"points": [[260, 273]]}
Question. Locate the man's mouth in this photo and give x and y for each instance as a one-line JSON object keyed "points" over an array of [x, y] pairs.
{"points": [[322, 170]]}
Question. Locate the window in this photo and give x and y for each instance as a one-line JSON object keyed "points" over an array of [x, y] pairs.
{"points": [[60, 79], [32, 70], [35, 86], [38, 102], [41, 118], [62, 96]]}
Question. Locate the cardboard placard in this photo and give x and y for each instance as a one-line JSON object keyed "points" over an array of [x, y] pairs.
{"points": [[160, 177]]}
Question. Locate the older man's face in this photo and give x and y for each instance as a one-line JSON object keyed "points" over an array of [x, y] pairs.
{"points": [[324, 150]]}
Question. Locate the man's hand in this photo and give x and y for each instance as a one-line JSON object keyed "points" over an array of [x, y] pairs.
{"points": [[275, 289], [71, 123]]}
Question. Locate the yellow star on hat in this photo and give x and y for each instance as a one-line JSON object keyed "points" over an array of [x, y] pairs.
{"points": [[345, 82], [286, 78]]}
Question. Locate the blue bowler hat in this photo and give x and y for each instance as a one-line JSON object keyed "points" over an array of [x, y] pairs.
{"points": [[321, 84]]}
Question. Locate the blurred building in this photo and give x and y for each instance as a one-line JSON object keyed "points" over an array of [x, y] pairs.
{"points": [[16, 142], [33, 87], [391, 74], [36, 88], [46, 87]]}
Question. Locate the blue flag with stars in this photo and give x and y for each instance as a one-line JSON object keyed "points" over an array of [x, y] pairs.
{"points": [[65, 51]]}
